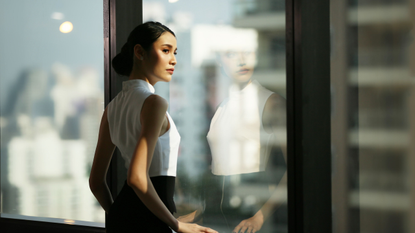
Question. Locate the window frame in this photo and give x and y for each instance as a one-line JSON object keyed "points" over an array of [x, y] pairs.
{"points": [[308, 102], [130, 15]]}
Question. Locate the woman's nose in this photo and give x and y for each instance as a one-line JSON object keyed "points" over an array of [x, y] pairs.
{"points": [[173, 61], [241, 59]]}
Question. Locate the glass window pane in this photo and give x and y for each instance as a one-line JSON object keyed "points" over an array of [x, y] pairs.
{"points": [[51, 98], [373, 115], [227, 98]]}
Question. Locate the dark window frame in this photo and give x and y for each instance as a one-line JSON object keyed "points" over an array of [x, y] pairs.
{"points": [[308, 116]]}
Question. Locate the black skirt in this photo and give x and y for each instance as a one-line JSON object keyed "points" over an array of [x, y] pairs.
{"points": [[129, 214]]}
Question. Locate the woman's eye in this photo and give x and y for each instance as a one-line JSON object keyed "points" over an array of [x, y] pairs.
{"points": [[230, 54], [165, 50]]}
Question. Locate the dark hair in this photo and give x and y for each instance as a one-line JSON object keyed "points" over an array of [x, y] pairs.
{"points": [[144, 34]]}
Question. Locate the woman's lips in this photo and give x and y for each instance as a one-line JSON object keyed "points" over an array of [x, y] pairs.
{"points": [[243, 71], [170, 71]]}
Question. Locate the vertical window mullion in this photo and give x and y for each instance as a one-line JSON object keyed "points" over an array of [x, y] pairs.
{"points": [[308, 116], [124, 16]]}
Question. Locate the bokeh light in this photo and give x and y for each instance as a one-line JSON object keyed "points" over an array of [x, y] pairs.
{"points": [[57, 15], [66, 27]]}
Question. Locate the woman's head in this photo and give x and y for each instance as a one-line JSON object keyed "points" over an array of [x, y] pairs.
{"points": [[236, 52], [149, 46], [238, 64]]}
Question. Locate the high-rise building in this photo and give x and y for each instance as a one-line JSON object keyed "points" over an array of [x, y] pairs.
{"points": [[372, 115]]}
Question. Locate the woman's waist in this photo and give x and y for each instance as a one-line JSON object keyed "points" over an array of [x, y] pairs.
{"points": [[164, 185]]}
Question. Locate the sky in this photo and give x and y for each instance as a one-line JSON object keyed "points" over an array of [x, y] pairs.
{"points": [[30, 37], [203, 12]]}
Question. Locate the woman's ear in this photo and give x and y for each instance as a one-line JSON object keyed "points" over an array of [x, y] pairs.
{"points": [[139, 52]]}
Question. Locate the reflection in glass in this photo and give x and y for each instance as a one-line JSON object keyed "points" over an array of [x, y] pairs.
{"points": [[242, 139], [227, 100], [51, 102]]}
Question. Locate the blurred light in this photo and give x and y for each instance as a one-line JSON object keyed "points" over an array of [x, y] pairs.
{"points": [[3, 122], [66, 27], [69, 221], [57, 15], [250, 200], [235, 201], [173, 1]]}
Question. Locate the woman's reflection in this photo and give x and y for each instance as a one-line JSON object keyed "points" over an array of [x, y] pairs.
{"points": [[247, 160]]}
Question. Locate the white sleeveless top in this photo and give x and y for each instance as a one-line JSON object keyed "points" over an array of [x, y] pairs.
{"points": [[237, 139], [123, 114]]}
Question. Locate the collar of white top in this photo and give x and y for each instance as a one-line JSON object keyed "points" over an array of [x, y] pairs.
{"points": [[134, 83], [235, 91]]}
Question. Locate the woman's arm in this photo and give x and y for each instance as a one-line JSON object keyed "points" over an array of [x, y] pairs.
{"points": [[152, 117], [102, 159], [274, 118]]}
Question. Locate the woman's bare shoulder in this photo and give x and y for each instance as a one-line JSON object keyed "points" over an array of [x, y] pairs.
{"points": [[155, 104]]}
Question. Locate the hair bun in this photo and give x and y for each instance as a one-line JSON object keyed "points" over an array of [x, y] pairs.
{"points": [[123, 62]]}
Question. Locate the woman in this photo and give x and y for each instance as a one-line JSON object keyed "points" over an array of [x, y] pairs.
{"points": [[245, 146], [137, 122]]}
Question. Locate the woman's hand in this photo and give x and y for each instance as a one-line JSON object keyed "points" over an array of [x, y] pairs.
{"points": [[188, 218], [193, 228], [250, 225]]}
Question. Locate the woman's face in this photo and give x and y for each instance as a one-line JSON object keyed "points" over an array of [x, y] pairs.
{"points": [[238, 65], [160, 59]]}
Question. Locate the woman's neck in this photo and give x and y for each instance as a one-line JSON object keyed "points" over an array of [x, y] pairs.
{"points": [[138, 74], [242, 85]]}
